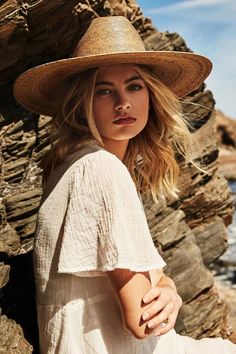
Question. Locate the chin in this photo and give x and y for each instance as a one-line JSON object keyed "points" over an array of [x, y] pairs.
{"points": [[127, 136], [121, 135], [124, 137]]}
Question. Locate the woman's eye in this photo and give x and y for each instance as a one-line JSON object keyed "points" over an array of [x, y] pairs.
{"points": [[103, 92], [135, 87]]}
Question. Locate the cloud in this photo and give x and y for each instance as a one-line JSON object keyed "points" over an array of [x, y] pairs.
{"points": [[186, 5]]}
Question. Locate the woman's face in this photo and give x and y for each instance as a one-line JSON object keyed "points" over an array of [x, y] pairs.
{"points": [[121, 102]]}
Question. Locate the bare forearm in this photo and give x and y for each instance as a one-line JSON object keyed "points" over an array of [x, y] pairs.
{"points": [[130, 288], [155, 276], [166, 307]]}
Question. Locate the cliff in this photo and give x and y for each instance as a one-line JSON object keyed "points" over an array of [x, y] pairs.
{"points": [[226, 136], [189, 232]]}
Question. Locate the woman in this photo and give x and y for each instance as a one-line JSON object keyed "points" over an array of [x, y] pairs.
{"points": [[99, 279]]}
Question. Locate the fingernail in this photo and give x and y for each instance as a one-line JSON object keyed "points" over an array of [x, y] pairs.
{"points": [[151, 324], [145, 316], [145, 299], [157, 333]]}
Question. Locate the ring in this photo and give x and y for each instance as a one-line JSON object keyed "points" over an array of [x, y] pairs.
{"points": [[163, 324]]}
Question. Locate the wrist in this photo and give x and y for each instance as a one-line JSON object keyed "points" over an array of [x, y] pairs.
{"points": [[155, 277]]}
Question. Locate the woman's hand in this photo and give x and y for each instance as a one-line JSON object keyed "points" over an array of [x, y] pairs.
{"points": [[164, 308]]}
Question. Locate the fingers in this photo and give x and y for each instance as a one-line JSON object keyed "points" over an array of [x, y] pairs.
{"points": [[163, 329], [164, 315], [167, 326], [161, 315], [151, 295], [156, 308]]}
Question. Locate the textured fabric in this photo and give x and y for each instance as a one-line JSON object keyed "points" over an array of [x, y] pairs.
{"points": [[91, 220]]}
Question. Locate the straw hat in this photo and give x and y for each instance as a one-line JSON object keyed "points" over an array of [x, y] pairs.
{"points": [[108, 40]]}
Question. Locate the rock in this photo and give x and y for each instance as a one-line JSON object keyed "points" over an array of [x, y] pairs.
{"points": [[205, 323], [227, 162], [226, 134], [14, 170], [21, 212], [204, 202], [9, 240], [228, 294], [4, 274], [12, 339], [226, 129], [211, 246]]}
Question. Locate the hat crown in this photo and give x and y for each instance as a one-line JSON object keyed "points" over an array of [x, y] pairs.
{"points": [[106, 35], [108, 40]]}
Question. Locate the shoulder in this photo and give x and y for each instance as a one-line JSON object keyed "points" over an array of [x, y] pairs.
{"points": [[103, 158], [101, 169], [101, 161]]}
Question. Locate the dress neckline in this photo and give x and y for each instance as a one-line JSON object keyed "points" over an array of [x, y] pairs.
{"points": [[91, 143]]}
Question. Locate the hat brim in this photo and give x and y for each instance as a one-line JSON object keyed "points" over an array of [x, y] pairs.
{"points": [[38, 89]]}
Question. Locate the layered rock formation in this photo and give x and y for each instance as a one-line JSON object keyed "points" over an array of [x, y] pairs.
{"points": [[226, 134], [189, 232]]}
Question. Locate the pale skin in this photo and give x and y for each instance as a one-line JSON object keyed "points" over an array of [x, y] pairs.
{"points": [[147, 299]]}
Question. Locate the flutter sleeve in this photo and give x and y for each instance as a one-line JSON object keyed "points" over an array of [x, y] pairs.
{"points": [[105, 225]]}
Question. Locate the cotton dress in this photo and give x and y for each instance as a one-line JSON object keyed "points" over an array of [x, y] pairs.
{"points": [[90, 221]]}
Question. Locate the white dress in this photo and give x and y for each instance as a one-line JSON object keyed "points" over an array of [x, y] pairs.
{"points": [[90, 221]]}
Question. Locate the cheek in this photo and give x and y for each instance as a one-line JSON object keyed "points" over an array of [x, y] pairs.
{"points": [[100, 110], [96, 110], [98, 114], [144, 104]]}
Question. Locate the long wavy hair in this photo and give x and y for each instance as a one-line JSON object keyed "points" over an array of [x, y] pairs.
{"points": [[151, 156]]}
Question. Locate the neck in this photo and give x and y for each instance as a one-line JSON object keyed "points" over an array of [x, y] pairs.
{"points": [[116, 147]]}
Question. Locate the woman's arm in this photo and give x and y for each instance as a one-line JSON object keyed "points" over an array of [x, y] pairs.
{"points": [[130, 288], [164, 292]]}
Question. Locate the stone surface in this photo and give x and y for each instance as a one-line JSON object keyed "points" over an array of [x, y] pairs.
{"points": [[228, 294], [226, 134], [227, 162], [4, 274], [195, 322], [12, 339], [211, 246]]}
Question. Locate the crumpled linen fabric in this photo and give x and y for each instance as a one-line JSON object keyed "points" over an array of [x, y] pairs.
{"points": [[90, 221]]}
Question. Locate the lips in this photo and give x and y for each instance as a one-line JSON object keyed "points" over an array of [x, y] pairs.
{"points": [[124, 120]]}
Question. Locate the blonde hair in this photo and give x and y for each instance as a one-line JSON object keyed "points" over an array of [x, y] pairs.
{"points": [[150, 156]]}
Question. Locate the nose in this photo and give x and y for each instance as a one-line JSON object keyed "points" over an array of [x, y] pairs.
{"points": [[122, 104]]}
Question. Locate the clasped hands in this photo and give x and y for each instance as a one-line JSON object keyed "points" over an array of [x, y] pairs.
{"points": [[164, 307]]}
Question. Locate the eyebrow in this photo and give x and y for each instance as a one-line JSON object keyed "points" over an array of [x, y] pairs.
{"points": [[126, 81]]}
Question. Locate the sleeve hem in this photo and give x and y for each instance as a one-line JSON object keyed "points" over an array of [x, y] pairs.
{"points": [[96, 271]]}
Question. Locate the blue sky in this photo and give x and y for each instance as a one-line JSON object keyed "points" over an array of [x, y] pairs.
{"points": [[209, 28]]}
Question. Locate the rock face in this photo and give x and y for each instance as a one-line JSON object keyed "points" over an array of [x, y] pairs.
{"points": [[226, 133], [12, 339], [190, 232]]}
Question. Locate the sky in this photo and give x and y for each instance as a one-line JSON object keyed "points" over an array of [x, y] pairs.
{"points": [[208, 28]]}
